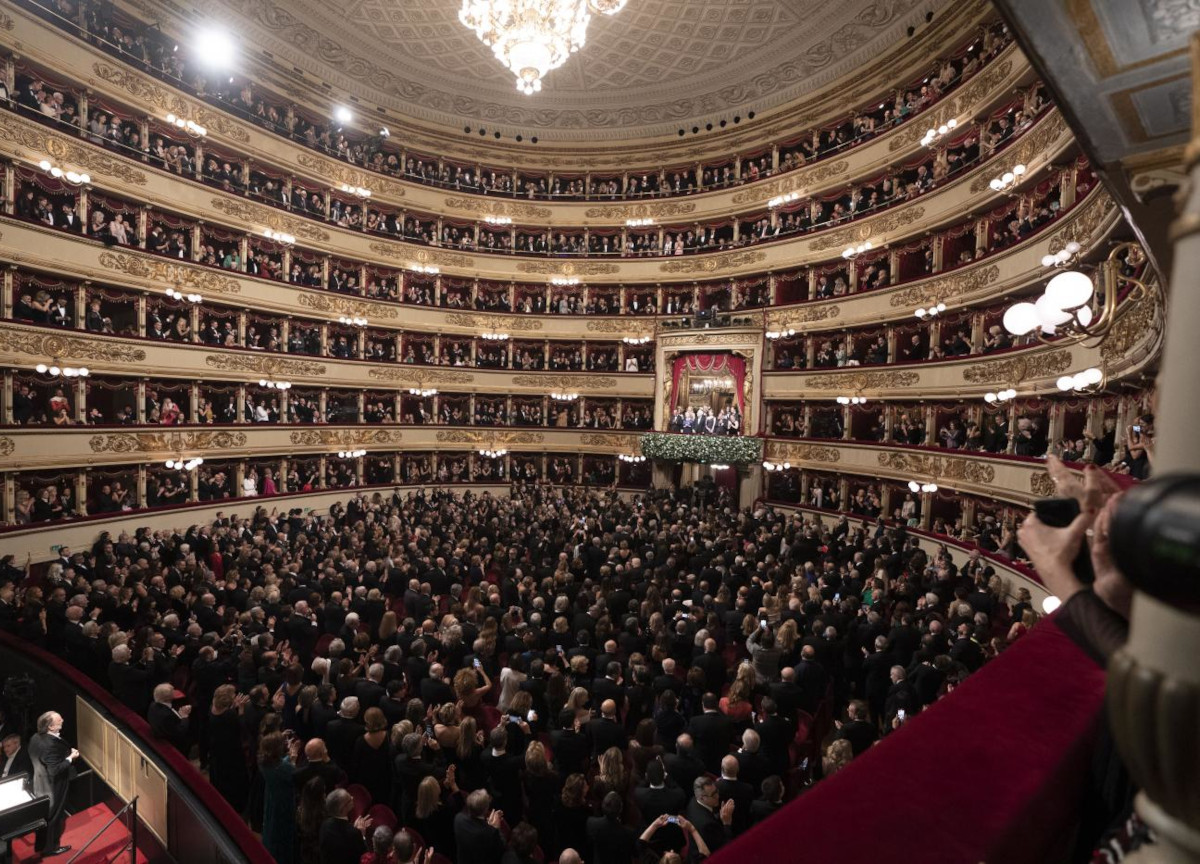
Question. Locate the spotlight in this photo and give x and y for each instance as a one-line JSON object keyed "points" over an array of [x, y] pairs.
{"points": [[911, 30], [342, 114], [737, 118], [467, 130], [695, 130], [722, 124], [750, 116], [534, 139], [708, 128], [482, 132], [928, 16], [682, 132], [520, 139]]}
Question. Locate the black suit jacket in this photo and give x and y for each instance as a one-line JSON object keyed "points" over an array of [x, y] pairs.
{"points": [[683, 769], [165, 723], [369, 694], [652, 803], [571, 751], [604, 734], [341, 842], [340, 736], [52, 771], [776, 734], [712, 732], [742, 795], [21, 764], [478, 842], [613, 842], [715, 832]]}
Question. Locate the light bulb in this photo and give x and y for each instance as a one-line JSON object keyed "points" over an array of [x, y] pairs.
{"points": [[1021, 318], [41, 368], [1069, 290], [1019, 170], [1050, 604], [1008, 177], [1091, 376], [1049, 260], [1073, 247], [1083, 315], [989, 398], [914, 486], [1049, 313], [54, 370], [1066, 383], [44, 165], [921, 313], [996, 184]]}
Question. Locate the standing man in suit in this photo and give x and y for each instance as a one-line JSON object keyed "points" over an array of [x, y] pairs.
{"points": [[52, 760], [166, 722]]}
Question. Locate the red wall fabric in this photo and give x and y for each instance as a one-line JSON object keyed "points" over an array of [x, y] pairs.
{"points": [[991, 773], [710, 364]]}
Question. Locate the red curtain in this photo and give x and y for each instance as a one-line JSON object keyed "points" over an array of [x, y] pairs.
{"points": [[710, 364]]}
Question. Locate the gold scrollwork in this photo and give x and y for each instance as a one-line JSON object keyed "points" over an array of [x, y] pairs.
{"points": [[565, 382], [419, 374], [871, 227], [787, 452], [567, 268], [632, 328], [464, 436], [165, 442], [1042, 485], [422, 256], [616, 442], [491, 207], [714, 263], [1017, 369], [270, 217], [947, 287], [863, 381], [169, 102], [170, 273], [967, 470], [1083, 225], [1133, 326], [7, 445], [65, 149], [346, 437], [261, 365], [800, 179], [68, 347], [334, 304], [805, 315], [493, 323], [1034, 143], [651, 210]]}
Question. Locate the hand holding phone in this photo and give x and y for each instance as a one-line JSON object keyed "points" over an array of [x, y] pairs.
{"points": [[478, 664]]}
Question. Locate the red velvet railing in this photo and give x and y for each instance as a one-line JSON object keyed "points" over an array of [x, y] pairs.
{"points": [[993, 773], [136, 727]]}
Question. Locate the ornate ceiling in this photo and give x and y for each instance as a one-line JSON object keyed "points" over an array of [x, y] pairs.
{"points": [[658, 66]]}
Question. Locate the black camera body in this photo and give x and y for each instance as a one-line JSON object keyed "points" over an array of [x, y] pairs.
{"points": [[1155, 538]]}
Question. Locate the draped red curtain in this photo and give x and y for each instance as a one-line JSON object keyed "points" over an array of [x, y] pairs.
{"points": [[709, 364]]}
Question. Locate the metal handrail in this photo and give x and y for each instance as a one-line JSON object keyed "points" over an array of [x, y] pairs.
{"points": [[132, 804]]}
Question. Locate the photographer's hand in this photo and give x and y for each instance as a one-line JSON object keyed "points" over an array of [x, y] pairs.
{"points": [[1052, 551]]}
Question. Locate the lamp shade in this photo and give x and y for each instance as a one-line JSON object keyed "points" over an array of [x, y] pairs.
{"points": [[1021, 318], [1069, 290], [1049, 313]]}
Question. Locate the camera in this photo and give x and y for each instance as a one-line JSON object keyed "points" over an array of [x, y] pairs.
{"points": [[1155, 537]]}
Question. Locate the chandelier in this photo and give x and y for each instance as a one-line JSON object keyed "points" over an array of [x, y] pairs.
{"points": [[532, 37]]}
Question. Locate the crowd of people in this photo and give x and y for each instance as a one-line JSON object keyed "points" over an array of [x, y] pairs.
{"points": [[704, 420], [560, 670]]}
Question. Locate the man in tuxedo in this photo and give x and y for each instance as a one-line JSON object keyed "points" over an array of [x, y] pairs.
{"points": [[811, 679], [713, 665], [340, 840], [753, 768], [53, 769], [344, 730], [166, 722], [708, 815], [774, 732], [14, 759], [571, 747], [476, 831], [857, 729], [682, 765], [712, 731], [604, 731], [370, 692]]}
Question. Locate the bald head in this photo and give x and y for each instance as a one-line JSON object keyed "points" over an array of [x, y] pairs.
{"points": [[608, 708], [315, 751], [569, 856], [729, 766]]}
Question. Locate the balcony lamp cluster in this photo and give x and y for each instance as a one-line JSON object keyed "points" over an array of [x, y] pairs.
{"points": [[1065, 301], [428, 269], [718, 466], [936, 134], [192, 128], [493, 454], [494, 337], [1007, 181], [498, 220], [639, 223], [852, 252], [780, 200], [565, 280], [54, 370], [776, 466], [931, 311], [564, 397], [1000, 396], [271, 384], [75, 178], [852, 400], [625, 457], [635, 340], [1082, 382], [279, 236], [1063, 256], [780, 334], [356, 191], [351, 454], [917, 488], [423, 392], [179, 295], [181, 464], [352, 320]]}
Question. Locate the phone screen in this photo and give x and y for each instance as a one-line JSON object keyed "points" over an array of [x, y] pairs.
{"points": [[530, 715], [672, 820], [477, 663], [762, 624], [900, 714]]}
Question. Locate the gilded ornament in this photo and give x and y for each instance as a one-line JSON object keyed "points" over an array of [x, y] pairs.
{"points": [[494, 323], [714, 263], [169, 272], [1042, 485], [938, 467], [338, 172], [709, 339], [62, 347], [654, 210], [165, 442], [335, 304], [1036, 143], [863, 381], [422, 256], [420, 375], [270, 218], [951, 287], [169, 102], [1085, 223], [490, 207], [1042, 365], [871, 227], [1134, 325], [261, 365], [787, 452], [798, 180], [346, 437], [610, 440], [7, 445], [633, 329], [567, 268], [63, 149], [804, 315], [464, 436], [6, 22], [565, 382]]}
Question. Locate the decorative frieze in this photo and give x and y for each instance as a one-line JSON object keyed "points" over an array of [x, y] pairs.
{"points": [[165, 442]]}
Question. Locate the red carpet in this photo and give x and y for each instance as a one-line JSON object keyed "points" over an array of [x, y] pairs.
{"points": [[80, 829]]}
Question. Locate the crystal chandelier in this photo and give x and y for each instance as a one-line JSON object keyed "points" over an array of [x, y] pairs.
{"points": [[532, 37]]}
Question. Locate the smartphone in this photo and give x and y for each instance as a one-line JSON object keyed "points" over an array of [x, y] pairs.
{"points": [[532, 714], [837, 598], [429, 728], [900, 715], [1137, 428], [763, 624], [477, 663], [514, 718], [672, 820]]}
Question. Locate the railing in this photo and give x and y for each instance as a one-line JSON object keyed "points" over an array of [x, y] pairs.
{"points": [[130, 844]]}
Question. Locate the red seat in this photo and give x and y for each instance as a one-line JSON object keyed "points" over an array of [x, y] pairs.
{"points": [[381, 814], [362, 799], [322, 646]]}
